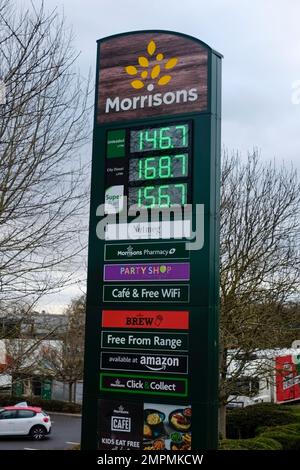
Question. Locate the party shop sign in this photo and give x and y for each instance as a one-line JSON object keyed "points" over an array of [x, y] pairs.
{"points": [[147, 272]]}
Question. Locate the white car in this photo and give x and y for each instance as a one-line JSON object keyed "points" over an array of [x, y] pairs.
{"points": [[24, 420]]}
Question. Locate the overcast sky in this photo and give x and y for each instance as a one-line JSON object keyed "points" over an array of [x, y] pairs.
{"points": [[260, 41]]}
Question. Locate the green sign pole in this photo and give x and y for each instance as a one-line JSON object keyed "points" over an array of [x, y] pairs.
{"points": [[151, 357]]}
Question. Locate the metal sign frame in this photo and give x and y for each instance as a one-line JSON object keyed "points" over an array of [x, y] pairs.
{"points": [[203, 300]]}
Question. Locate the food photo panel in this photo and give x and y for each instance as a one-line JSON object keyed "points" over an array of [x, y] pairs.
{"points": [[167, 427]]}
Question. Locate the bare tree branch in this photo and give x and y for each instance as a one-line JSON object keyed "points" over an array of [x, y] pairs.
{"points": [[260, 263], [43, 127]]}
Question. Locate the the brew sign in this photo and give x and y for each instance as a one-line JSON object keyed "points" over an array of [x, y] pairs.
{"points": [[146, 319]]}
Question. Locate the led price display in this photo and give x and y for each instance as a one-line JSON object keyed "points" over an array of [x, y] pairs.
{"points": [[160, 167], [159, 138], [160, 195]]}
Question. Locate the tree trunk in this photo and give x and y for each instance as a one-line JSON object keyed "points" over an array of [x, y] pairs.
{"points": [[222, 421], [222, 395], [74, 391], [70, 391]]}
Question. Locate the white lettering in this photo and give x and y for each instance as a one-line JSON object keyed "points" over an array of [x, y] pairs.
{"points": [[193, 95], [126, 104], [157, 101], [169, 97], [115, 103]]}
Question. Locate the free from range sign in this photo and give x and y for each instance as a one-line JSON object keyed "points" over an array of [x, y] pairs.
{"points": [[152, 341]]}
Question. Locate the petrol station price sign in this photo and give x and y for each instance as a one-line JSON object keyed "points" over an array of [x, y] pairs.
{"points": [[152, 300], [152, 168]]}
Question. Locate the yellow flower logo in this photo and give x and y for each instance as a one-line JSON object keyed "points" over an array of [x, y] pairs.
{"points": [[155, 74]]}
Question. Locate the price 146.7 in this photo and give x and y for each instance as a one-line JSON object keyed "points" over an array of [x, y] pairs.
{"points": [[159, 138]]}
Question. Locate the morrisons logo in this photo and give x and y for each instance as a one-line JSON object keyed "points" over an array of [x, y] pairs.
{"points": [[151, 70], [148, 101]]}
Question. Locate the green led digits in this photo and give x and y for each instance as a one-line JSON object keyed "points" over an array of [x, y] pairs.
{"points": [[165, 141], [165, 167], [182, 188], [159, 196], [155, 139], [184, 132], [160, 167], [159, 138], [148, 138], [149, 169], [161, 156]]}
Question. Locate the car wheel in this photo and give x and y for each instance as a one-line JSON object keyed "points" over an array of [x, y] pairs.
{"points": [[38, 433]]}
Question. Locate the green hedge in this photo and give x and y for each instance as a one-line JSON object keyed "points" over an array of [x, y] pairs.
{"points": [[242, 423], [258, 443], [263, 420], [288, 436], [48, 405]]}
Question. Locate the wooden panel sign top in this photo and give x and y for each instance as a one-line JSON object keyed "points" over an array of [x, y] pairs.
{"points": [[151, 74]]}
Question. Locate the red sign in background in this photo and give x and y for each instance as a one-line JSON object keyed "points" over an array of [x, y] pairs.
{"points": [[151, 319], [287, 378]]}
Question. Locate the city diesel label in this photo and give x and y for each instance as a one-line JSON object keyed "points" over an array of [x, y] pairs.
{"points": [[165, 293], [144, 384], [145, 251], [148, 341]]}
